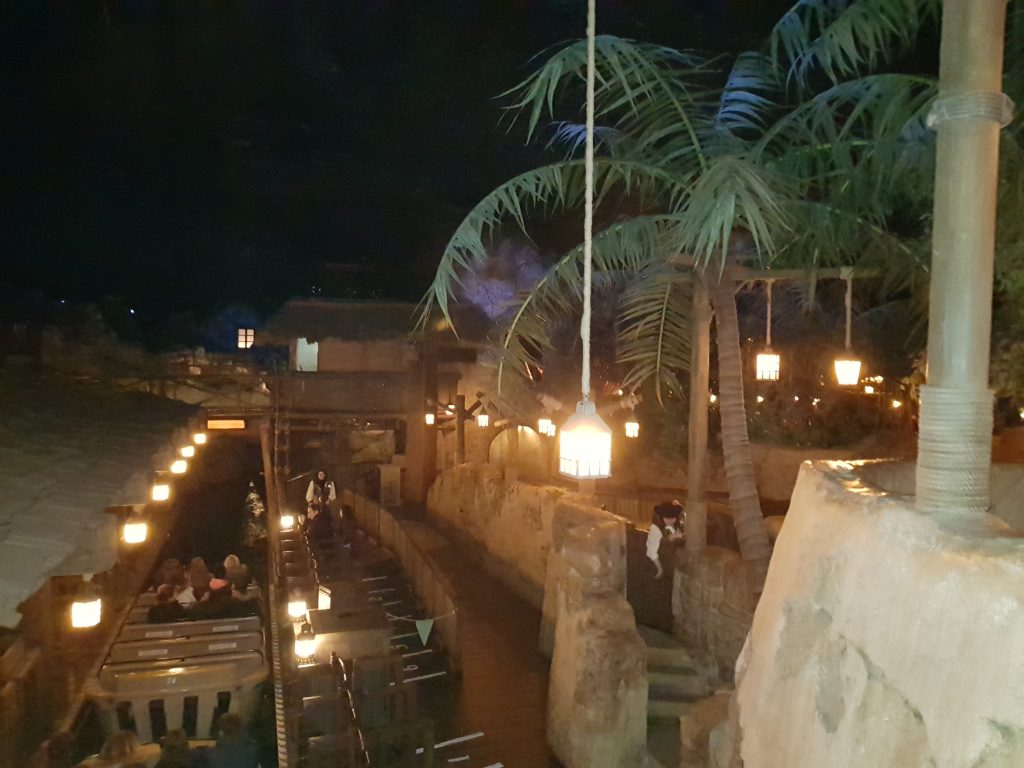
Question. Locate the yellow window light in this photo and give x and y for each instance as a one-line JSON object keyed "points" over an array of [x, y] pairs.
{"points": [[199, 438], [585, 445], [632, 429], [160, 492], [847, 371], [179, 467], [768, 366], [483, 420], [225, 424], [187, 452]]}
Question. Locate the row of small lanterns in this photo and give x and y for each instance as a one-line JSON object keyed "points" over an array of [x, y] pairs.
{"points": [[87, 606]]}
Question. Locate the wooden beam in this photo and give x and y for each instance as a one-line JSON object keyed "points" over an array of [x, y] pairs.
{"points": [[746, 274]]}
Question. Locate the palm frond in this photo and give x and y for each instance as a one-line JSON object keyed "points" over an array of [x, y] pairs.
{"points": [[840, 38], [745, 98], [654, 331]]}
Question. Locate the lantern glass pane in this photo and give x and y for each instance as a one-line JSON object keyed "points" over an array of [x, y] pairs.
{"points": [[179, 467], [428, 418], [297, 608], [483, 420], [768, 366], [287, 522], [134, 533], [585, 445], [632, 429], [199, 438], [305, 647], [847, 372], [188, 451], [160, 492], [86, 613], [544, 426]]}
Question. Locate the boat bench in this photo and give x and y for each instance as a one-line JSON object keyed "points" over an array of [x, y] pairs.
{"points": [[185, 647], [188, 628]]}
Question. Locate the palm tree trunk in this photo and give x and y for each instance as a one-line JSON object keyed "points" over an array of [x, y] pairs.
{"points": [[697, 426], [739, 467]]}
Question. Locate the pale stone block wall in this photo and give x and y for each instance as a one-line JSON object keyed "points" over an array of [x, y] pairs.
{"points": [[712, 606], [884, 637]]}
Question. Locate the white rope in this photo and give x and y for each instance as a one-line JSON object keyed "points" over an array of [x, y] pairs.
{"points": [[849, 309], [768, 318], [588, 211]]}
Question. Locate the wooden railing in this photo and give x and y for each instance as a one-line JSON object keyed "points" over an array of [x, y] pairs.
{"points": [[430, 585]]}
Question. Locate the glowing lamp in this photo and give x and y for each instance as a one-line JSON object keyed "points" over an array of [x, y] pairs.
{"points": [[897, 404], [483, 420], [543, 425], [305, 645], [297, 606], [179, 467], [847, 371], [429, 419], [323, 598], [768, 366], [134, 531], [632, 429], [287, 522], [160, 492], [199, 438], [187, 452], [585, 446], [87, 607], [713, 398], [760, 398], [868, 389]]}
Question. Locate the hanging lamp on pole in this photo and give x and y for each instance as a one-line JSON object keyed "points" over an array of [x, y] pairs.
{"points": [[585, 441], [769, 362], [847, 365]]}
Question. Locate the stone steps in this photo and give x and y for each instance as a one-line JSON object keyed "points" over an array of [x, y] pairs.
{"points": [[674, 681]]}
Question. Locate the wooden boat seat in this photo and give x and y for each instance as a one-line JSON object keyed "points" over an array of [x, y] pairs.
{"points": [[145, 631]]}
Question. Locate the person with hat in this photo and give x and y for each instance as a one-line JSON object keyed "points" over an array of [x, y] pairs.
{"points": [[666, 526]]}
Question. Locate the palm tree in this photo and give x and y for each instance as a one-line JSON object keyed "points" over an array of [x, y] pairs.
{"points": [[798, 154]]}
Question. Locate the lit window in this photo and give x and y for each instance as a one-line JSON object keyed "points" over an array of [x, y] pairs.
{"points": [[246, 336]]}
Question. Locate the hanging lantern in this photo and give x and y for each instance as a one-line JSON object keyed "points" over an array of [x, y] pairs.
{"points": [[199, 438], [297, 605], [483, 420], [287, 521], [179, 467], [305, 645], [87, 607], [552, 430], [847, 366], [769, 363], [134, 530], [160, 491], [632, 429], [544, 426], [585, 446], [429, 419], [187, 452]]}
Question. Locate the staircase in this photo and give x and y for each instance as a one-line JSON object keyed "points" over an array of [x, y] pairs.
{"points": [[674, 680]]}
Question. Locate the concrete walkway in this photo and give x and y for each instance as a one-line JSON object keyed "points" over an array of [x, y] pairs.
{"points": [[504, 682]]}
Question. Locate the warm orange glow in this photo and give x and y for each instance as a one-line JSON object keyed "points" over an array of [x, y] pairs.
{"points": [[134, 532], [847, 371], [429, 419], [86, 613], [160, 492], [483, 420], [187, 452], [179, 467], [632, 429], [287, 522], [543, 425], [768, 366], [199, 438], [225, 424], [585, 445]]}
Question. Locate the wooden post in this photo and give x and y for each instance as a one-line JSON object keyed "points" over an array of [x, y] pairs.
{"points": [[955, 437], [460, 429], [697, 430], [420, 439]]}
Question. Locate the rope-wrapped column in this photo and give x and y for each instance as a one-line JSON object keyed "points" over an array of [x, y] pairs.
{"points": [[954, 450]]}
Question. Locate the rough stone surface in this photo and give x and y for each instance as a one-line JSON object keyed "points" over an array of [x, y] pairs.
{"points": [[883, 638], [695, 728], [712, 606], [597, 695]]}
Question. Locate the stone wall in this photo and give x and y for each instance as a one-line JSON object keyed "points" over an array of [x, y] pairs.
{"points": [[712, 607], [884, 637]]}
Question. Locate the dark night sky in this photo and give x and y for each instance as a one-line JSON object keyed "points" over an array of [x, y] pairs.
{"points": [[189, 155]]}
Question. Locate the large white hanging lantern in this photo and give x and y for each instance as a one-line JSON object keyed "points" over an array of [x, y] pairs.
{"points": [[847, 365], [544, 426], [769, 364], [305, 645], [632, 428], [585, 444], [483, 420], [134, 530]]}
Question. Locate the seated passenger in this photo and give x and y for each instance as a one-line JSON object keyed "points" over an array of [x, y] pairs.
{"points": [[235, 748], [167, 609], [174, 751], [240, 580], [119, 750], [216, 605], [232, 566]]}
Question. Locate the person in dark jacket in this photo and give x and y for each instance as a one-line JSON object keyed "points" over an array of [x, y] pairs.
{"points": [[174, 751], [235, 748], [167, 609]]}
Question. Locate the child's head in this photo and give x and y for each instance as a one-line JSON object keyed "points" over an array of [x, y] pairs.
{"points": [[669, 511]]}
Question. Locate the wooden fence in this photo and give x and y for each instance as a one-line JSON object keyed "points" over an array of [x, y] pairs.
{"points": [[433, 589]]}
